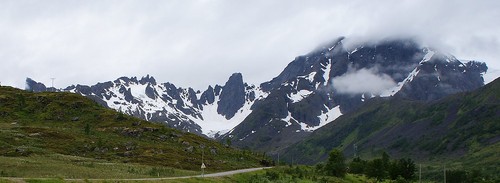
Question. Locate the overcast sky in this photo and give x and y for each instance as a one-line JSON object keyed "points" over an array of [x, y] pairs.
{"points": [[197, 43]]}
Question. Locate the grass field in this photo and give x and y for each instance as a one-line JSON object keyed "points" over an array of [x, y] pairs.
{"points": [[70, 136], [64, 166]]}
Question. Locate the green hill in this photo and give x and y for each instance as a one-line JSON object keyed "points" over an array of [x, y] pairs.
{"points": [[462, 129], [46, 125]]}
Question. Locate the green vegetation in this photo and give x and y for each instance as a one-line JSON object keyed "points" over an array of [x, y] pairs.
{"points": [[384, 168], [57, 165], [335, 166], [43, 133], [460, 131]]}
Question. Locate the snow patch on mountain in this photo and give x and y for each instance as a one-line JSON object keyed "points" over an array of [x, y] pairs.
{"points": [[325, 118], [392, 91], [428, 55], [326, 71], [288, 119], [213, 123], [309, 77], [299, 95]]}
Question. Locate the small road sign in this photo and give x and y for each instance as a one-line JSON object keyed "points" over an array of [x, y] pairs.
{"points": [[203, 165]]}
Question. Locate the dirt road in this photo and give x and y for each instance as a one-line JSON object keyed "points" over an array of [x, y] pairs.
{"points": [[220, 174]]}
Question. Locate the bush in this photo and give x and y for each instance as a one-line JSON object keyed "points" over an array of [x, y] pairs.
{"points": [[357, 166], [335, 166]]}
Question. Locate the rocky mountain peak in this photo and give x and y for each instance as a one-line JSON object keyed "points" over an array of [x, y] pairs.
{"points": [[232, 96], [148, 79], [316, 88], [32, 85]]}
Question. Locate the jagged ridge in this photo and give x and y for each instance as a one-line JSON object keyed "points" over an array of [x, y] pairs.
{"points": [[301, 99]]}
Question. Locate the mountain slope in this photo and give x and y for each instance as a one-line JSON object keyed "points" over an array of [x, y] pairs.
{"points": [[218, 108], [332, 80], [64, 123], [312, 90], [457, 127]]}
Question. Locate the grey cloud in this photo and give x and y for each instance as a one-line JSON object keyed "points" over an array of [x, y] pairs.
{"points": [[363, 81], [183, 41]]}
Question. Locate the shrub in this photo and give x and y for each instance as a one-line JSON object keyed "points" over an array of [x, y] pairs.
{"points": [[335, 165]]}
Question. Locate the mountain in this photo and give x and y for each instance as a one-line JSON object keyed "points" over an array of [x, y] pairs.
{"points": [[49, 124], [461, 128], [217, 108], [313, 90], [332, 80]]}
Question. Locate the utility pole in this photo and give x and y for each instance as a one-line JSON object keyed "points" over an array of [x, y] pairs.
{"points": [[355, 151], [278, 159], [202, 163], [420, 173], [53, 82], [444, 172]]}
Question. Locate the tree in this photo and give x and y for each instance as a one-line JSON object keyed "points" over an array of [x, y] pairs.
{"points": [[408, 168], [376, 169], [386, 160], [404, 168], [357, 166], [335, 165]]}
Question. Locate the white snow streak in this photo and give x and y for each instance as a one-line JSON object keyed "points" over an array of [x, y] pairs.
{"points": [[428, 56], [297, 97], [324, 119], [394, 90], [326, 70]]}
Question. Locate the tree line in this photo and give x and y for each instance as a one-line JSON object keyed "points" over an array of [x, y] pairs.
{"points": [[379, 169]]}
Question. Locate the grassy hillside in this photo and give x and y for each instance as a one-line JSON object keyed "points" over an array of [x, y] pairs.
{"points": [[462, 130], [46, 126]]}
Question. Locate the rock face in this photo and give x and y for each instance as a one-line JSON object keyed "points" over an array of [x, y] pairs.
{"points": [[232, 97], [34, 86], [313, 90], [318, 87]]}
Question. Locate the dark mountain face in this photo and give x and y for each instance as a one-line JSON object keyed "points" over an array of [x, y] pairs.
{"points": [[316, 88], [232, 97], [442, 76], [34, 86], [408, 128], [313, 90]]}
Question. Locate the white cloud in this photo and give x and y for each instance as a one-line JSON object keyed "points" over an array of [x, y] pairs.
{"points": [[363, 81], [201, 42]]}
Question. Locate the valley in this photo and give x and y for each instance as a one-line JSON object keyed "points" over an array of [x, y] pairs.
{"points": [[434, 109]]}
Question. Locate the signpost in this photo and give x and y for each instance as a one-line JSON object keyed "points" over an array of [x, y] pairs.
{"points": [[203, 169]]}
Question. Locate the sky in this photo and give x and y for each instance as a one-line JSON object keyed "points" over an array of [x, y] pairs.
{"points": [[196, 43]]}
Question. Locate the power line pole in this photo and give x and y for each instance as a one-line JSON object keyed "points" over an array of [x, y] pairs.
{"points": [[202, 163], [355, 151], [278, 159], [444, 172], [53, 82], [420, 173]]}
